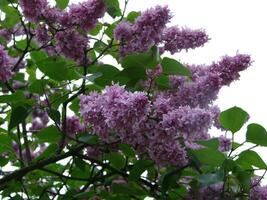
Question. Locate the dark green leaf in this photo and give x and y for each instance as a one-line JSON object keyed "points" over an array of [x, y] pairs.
{"points": [[148, 59], [49, 151], [163, 82], [256, 134], [54, 115], [233, 119], [210, 178], [173, 67], [50, 134], [139, 167], [127, 189], [5, 143], [18, 115], [96, 30], [113, 8], [38, 86], [209, 156], [62, 4], [3, 161], [251, 158], [55, 68], [116, 160], [169, 180], [127, 150], [12, 16]]}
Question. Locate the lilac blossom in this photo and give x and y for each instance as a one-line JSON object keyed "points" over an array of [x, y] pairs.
{"points": [[84, 15], [6, 34], [73, 125], [75, 49], [224, 144], [5, 65], [176, 39], [33, 9], [145, 32]]}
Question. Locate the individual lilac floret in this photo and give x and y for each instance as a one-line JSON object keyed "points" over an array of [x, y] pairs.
{"points": [[176, 39], [71, 44], [85, 14], [146, 31], [5, 65], [229, 67], [33, 9], [123, 31], [224, 144], [73, 125]]}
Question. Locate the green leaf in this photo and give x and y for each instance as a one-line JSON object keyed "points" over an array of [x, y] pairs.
{"points": [[12, 16], [38, 86], [163, 82], [169, 179], [139, 167], [116, 160], [251, 158], [128, 189], [131, 76], [256, 134], [212, 143], [89, 139], [113, 8], [3, 161], [209, 156], [127, 150], [149, 59], [50, 134], [131, 17], [54, 115], [233, 119], [15, 97], [173, 67], [54, 67], [108, 72], [62, 4], [95, 31], [50, 150], [5, 143], [18, 115]]}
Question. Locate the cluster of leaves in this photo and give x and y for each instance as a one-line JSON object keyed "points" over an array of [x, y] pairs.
{"points": [[68, 173]]}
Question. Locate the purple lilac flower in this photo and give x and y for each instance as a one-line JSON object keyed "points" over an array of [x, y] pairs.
{"points": [[229, 67], [33, 9], [123, 31], [5, 65], [71, 44], [6, 34], [73, 125], [257, 191], [146, 31], [42, 35], [224, 143], [40, 119], [85, 14], [176, 39]]}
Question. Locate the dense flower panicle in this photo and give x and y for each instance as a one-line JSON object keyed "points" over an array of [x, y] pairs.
{"points": [[52, 14], [6, 64], [40, 119], [145, 32], [187, 122], [71, 44], [257, 191], [85, 14], [167, 153], [229, 67], [42, 35], [73, 125], [123, 31], [176, 39], [33, 9]]}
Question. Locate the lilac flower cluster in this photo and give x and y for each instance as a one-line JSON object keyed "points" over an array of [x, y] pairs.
{"points": [[6, 64], [176, 39], [75, 49], [73, 125], [144, 33], [33, 9], [84, 15], [257, 191], [150, 128], [40, 119]]}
